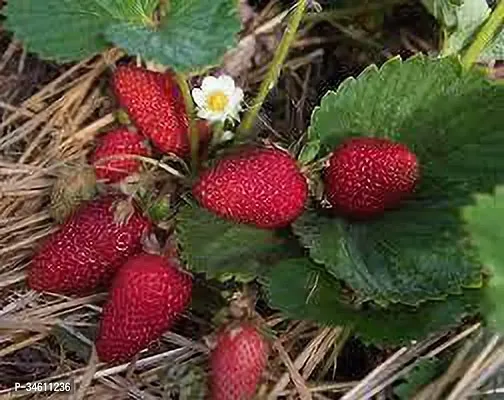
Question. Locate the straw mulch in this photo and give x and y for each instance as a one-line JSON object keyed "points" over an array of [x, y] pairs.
{"points": [[49, 118]]}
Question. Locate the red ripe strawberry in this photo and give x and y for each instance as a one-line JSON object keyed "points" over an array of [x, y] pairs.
{"points": [[156, 106], [237, 363], [148, 293], [118, 142], [87, 250], [366, 176], [259, 186]]}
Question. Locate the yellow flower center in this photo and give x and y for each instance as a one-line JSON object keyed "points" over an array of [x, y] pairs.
{"points": [[217, 101]]}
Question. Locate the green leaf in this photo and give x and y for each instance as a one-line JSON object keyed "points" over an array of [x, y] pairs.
{"points": [[220, 247], [427, 103], [410, 256], [302, 290], [309, 152], [495, 51], [461, 20], [419, 377], [470, 15], [453, 122], [62, 30], [70, 30], [133, 11], [484, 220], [193, 34], [444, 11], [159, 210], [184, 381]]}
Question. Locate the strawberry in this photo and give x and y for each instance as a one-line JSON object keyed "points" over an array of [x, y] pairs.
{"points": [[259, 186], [367, 176], [88, 248], [237, 363], [156, 106], [119, 142], [148, 294]]}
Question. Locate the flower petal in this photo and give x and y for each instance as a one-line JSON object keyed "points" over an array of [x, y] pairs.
{"points": [[210, 116], [227, 84], [209, 84], [236, 98], [199, 97], [219, 116], [203, 113]]}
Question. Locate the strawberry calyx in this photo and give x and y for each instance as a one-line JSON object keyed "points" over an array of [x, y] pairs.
{"points": [[240, 308], [316, 166], [155, 66], [170, 249], [152, 245], [123, 210], [159, 211], [122, 116], [242, 303]]}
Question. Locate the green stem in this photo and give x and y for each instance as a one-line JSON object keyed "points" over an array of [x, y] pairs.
{"points": [[193, 131], [276, 66], [218, 131], [485, 36]]}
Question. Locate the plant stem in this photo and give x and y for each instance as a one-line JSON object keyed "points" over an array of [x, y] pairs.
{"points": [[484, 36], [276, 66], [218, 131], [193, 131]]}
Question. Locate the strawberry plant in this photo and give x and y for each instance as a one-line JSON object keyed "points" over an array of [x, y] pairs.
{"points": [[385, 217], [403, 148], [420, 256]]}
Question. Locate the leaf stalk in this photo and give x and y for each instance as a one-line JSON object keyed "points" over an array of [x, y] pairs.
{"points": [[276, 66], [484, 36], [193, 131]]}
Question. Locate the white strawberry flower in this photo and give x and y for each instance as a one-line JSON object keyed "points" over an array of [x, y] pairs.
{"points": [[218, 99]]}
